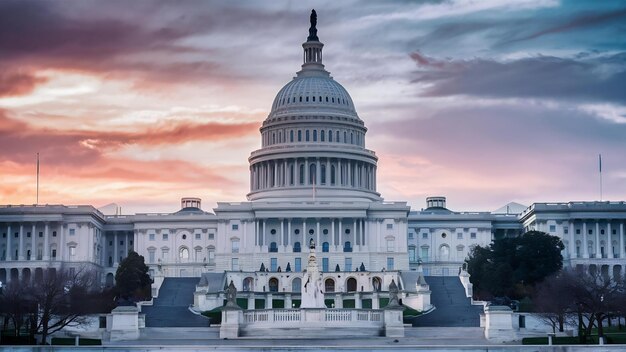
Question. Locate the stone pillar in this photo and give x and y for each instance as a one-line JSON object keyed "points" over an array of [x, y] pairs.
{"points": [[358, 304], [269, 299], [499, 324], [598, 251], [20, 251], [62, 242], [296, 168], [46, 242], [317, 232], [263, 233], [288, 301], [124, 323], [231, 319], [282, 233], [251, 300], [306, 171], [340, 174], [115, 251], [33, 243], [340, 233], [256, 232], [244, 239], [327, 172], [622, 250], [338, 300], [609, 241], [304, 235], [125, 241], [275, 174], [9, 248], [289, 232], [394, 324], [585, 245], [572, 241], [318, 172], [332, 231]]}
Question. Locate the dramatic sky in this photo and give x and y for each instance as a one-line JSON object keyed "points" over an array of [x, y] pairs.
{"points": [[143, 102]]}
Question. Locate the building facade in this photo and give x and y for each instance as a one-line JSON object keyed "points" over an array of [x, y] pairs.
{"points": [[312, 180]]}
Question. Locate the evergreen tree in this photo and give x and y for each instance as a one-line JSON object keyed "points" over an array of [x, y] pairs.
{"points": [[288, 268], [132, 281]]}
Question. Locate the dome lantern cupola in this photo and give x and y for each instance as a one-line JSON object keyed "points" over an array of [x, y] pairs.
{"points": [[313, 51]]}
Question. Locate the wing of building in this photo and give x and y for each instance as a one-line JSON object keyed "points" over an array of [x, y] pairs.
{"points": [[312, 180]]}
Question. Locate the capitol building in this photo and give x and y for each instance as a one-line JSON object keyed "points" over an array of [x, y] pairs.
{"points": [[312, 181]]}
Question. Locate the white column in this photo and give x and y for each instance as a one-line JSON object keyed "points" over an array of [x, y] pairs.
{"points": [[33, 243], [356, 235], [339, 179], [20, 251], [572, 241], [609, 241], [256, 232], [318, 172], [349, 181], [317, 233], [263, 234], [289, 232], [306, 171], [585, 245], [275, 174], [332, 231], [282, 232], [622, 250], [62, 243], [362, 232], [340, 244], [296, 171], [9, 249], [115, 251], [125, 243], [328, 172], [598, 253], [304, 235], [46, 243], [366, 231], [90, 241], [244, 239]]}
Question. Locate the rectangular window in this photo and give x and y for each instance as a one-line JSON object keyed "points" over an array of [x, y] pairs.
{"points": [[198, 236], [473, 235], [298, 266], [424, 253], [578, 231], [164, 254], [602, 231], [565, 230], [348, 264], [110, 243], [211, 255], [391, 245], [412, 255], [235, 227], [389, 226], [234, 264], [72, 251], [614, 231], [151, 257], [211, 236], [273, 264], [54, 254], [151, 237], [27, 234], [164, 237], [459, 235], [40, 234], [54, 234], [325, 264], [121, 243], [552, 228], [307, 135], [410, 235], [425, 235], [235, 246], [390, 263]]}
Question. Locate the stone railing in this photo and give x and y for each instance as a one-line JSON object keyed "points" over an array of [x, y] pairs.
{"points": [[325, 317]]}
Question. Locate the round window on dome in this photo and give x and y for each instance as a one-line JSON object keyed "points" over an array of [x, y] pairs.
{"points": [[325, 231], [443, 235], [297, 232], [273, 231], [311, 231]]}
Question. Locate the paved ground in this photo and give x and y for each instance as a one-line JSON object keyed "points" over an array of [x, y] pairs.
{"points": [[171, 307], [453, 309]]}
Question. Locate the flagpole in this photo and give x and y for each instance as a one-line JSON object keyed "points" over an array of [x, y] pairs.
{"points": [[37, 202], [600, 169]]}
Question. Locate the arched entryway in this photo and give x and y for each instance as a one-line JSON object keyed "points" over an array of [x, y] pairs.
{"points": [[15, 275], [296, 285], [248, 284], [351, 285], [329, 285], [26, 276], [110, 280], [377, 284], [38, 275], [273, 283], [3, 276]]}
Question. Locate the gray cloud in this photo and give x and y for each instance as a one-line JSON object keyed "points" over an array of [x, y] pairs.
{"points": [[581, 80]]}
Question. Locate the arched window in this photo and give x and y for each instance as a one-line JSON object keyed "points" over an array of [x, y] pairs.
{"points": [[337, 137], [291, 136], [301, 99], [330, 135], [299, 135], [248, 284], [273, 138], [322, 135], [273, 248], [345, 137], [296, 247], [273, 284], [301, 174], [325, 247], [296, 285], [329, 285], [351, 285], [351, 138], [332, 175], [312, 174], [313, 98], [323, 174], [444, 252], [291, 178], [347, 247], [314, 135], [183, 253], [377, 284]]}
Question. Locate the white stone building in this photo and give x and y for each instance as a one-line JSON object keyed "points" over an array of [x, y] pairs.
{"points": [[312, 179]]}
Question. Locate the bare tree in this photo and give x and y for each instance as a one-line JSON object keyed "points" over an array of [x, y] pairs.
{"points": [[17, 306], [553, 300], [62, 298]]}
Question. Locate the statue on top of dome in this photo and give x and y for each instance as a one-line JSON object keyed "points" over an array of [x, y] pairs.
{"points": [[313, 30]]}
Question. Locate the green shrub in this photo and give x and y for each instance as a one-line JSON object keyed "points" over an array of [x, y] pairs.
{"points": [[259, 303], [329, 303], [242, 302], [278, 303], [296, 303], [383, 302], [349, 303], [214, 315], [367, 303]]}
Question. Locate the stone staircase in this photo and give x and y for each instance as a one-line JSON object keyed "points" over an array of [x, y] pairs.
{"points": [[171, 308], [453, 308]]}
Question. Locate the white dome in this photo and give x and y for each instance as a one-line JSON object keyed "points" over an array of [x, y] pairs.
{"points": [[306, 92]]}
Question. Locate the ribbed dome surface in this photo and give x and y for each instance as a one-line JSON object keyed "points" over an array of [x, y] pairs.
{"points": [[306, 92]]}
